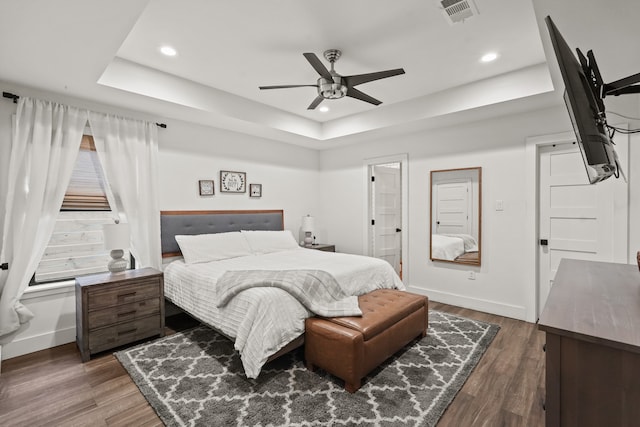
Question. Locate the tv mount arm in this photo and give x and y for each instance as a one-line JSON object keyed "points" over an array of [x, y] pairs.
{"points": [[619, 87], [622, 86]]}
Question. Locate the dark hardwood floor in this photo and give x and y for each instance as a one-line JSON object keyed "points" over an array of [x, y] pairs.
{"points": [[53, 387], [507, 386]]}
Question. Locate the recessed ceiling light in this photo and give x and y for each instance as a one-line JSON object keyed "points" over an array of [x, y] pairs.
{"points": [[491, 56], [168, 50], [323, 109]]}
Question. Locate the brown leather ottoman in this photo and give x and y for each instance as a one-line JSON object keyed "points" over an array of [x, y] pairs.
{"points": [[351, 347]]}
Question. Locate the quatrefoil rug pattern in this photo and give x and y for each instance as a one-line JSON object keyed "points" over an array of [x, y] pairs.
{"points": [[195, 378]]}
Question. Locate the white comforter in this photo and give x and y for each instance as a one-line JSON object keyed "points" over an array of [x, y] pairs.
{"points": [[446, 247], [263, 320]]}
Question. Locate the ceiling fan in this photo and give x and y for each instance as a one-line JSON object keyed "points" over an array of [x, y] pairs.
{"points": [[332, 85]]}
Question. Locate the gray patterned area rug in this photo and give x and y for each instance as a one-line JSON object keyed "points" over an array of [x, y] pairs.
{"points": [[195, 378]]}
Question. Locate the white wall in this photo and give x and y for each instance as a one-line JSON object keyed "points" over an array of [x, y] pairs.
{"points": [[288, 174], [187, 152], [496, 145]]}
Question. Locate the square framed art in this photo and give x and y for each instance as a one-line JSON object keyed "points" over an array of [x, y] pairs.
{"points": [[206, 187], [255, 190], [233, 182]]}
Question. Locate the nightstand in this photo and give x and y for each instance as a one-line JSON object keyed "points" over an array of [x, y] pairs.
{"points": [[323, 247], [113, 309]]}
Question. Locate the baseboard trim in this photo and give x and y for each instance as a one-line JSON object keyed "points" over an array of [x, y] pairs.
{"points": [[493, 307], [31, 344], [20, 347]]}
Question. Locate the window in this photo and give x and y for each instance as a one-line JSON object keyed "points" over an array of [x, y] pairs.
{"points": [[86, 191], [76, 245]]}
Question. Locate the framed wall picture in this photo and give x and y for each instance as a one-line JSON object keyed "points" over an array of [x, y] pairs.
{"points": [[233, 182], [255, 190], [206, 188]]}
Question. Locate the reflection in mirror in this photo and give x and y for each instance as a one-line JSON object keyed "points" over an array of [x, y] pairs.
{"points": [[456, 215]]}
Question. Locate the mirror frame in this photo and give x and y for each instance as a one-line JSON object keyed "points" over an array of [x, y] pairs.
{"points": [[478, 216]]}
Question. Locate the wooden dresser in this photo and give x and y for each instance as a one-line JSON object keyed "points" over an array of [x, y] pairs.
{"points": [[592, 325], [113, 309]]}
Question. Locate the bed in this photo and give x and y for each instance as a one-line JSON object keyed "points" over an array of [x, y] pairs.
{"points": [[263, 322], [453, 247]]}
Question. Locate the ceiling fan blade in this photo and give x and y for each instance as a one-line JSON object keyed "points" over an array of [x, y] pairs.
{"points": [[369, 77], [355, 93], [315, 102], [285, 86], [318, 65]]}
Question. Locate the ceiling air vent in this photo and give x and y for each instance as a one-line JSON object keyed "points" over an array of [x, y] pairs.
{"points": [[458, 10]]}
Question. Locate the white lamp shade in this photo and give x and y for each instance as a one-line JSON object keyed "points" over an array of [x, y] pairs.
{"points": [[116, 236], [307, 223]]}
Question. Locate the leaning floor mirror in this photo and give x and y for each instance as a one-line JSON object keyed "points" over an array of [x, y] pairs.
{"points": [[456, 226]]}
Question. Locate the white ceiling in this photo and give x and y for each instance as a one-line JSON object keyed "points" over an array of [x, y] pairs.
{"points": [[109, 52], [237, 46]]}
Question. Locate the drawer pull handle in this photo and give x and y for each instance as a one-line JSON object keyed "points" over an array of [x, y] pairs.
{"points": [[128, 331], [126, 313], [129, 294]]}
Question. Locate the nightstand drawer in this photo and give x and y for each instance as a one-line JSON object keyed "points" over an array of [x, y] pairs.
{"points": [[124, 294], [123, 313], [123, 333]]}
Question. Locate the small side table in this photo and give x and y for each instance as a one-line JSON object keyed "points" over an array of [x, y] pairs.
{"points": [[322, 247], [113, 309]]}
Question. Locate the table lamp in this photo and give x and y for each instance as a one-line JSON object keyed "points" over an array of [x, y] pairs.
{"points": [[116, 239], [308, 228]]}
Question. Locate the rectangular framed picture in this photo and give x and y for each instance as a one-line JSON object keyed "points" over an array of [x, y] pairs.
{"points": [[233, 182], [255, 190], [205, 187]]}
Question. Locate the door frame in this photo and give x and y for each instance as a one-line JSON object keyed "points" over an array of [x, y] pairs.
{"points": [[404, 226], [532, 203]]}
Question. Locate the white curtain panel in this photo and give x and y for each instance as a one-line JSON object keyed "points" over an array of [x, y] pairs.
{"points": [[45, 142], [128, 153]]}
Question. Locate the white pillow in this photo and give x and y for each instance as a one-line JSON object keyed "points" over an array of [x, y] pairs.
{"points": [[212, 247], [264, 242]]}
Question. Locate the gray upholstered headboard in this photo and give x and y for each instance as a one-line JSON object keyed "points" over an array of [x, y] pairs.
{"points": [[207, 222]]}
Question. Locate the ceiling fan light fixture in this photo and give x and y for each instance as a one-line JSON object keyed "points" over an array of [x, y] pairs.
{"points": [[332, 85], [330, 89]]}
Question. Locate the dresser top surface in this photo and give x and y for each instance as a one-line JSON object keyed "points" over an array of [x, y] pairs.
{"points": [[101, 278], [595, 301]]}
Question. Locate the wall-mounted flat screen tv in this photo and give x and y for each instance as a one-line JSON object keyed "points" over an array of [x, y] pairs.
{"points": [[583, 98]]}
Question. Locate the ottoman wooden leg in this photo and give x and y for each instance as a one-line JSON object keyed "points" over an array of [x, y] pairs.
{"points": [[352, 387]]}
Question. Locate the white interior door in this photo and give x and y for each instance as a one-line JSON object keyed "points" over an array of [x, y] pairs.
{"points": [[386, 198], [453, 204], [576, 220]]}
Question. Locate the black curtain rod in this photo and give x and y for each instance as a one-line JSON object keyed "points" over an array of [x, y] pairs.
{"points": [[15, 98], [11, 96]]}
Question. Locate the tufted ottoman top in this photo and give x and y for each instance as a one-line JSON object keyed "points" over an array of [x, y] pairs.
{"points": [[381, 309]]}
